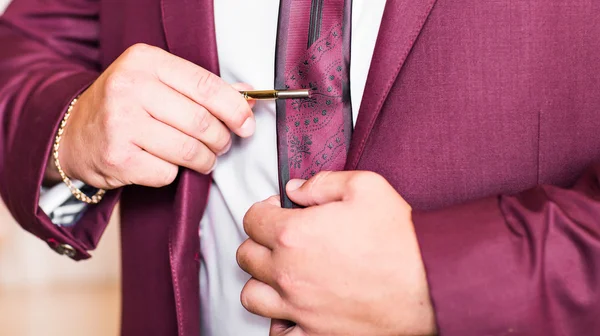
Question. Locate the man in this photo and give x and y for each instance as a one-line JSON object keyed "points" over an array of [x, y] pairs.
{"points": [[472, 157]]}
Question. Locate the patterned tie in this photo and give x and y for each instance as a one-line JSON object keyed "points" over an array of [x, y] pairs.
{"points": [[313, 52]]}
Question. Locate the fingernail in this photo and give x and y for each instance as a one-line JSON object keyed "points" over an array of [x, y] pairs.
{"points": [[295, 184], [226, 149], [248, 127], [213, 167]]}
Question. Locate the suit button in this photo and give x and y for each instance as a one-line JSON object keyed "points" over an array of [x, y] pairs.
{"points": [[62, 249], [68, 250]]}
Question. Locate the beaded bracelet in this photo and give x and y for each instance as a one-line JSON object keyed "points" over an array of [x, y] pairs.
{"points": [[80, 195]]}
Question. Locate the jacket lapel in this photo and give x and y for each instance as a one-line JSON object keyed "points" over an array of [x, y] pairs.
{"points": [[190, 33], [400, 26]]}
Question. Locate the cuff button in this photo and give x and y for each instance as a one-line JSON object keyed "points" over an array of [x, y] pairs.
{"points": [[68, 250], [62, 249]]}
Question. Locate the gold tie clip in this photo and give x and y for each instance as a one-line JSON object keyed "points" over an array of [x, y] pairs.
{"points": [[275, 94]]}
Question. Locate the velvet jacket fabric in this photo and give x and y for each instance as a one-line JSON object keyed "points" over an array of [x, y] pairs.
{"points": [[484, 115]]}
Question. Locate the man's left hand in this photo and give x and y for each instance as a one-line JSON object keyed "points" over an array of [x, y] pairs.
{"points": [[347, 264]]}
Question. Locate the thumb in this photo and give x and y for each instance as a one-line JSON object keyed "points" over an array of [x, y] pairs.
{"points": [[323, 188]]}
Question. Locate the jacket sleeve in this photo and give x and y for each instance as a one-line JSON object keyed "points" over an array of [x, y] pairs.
{"points": [[524, 264], [48, 55]]}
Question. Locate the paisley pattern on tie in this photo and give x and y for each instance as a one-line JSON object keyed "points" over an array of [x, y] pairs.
{"points": [[320, 116], [313, 133]]}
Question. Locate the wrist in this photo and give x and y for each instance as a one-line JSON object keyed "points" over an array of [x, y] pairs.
{"points": [[63, 165], [64, 154], [51, 175]]}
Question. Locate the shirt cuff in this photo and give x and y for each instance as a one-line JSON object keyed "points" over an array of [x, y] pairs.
{"points": [[60, 205]]}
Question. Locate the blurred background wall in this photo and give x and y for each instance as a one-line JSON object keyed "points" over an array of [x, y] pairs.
{"points": [[42, 293]]}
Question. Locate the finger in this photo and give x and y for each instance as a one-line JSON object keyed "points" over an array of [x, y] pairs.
{"points": [[325, 187], [256, 260], [263, 220], [174, 109], [208, 90], [261, 299], [171, 145], [150, 171]]}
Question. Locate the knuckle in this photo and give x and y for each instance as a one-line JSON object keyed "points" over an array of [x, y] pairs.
{"points": [[374, 179], [320, 175], [287, 238], [360, 180], [318, 178], [200, 121], [275, 200], [207, 84], [313, 184], [285, 281], [189, 150], [137, 50], [118, 82]]}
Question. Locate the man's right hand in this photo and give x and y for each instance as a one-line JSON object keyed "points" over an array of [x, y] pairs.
{"points": [[147, 114]]}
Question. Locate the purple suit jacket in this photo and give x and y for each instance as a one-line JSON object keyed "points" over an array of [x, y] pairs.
{"points": [[484, 115]]}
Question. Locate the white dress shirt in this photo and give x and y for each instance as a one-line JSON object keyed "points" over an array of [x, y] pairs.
{"points": [[248, 173]]}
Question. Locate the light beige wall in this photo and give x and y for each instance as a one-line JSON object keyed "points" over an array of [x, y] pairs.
{"points": [[28, 261]]}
